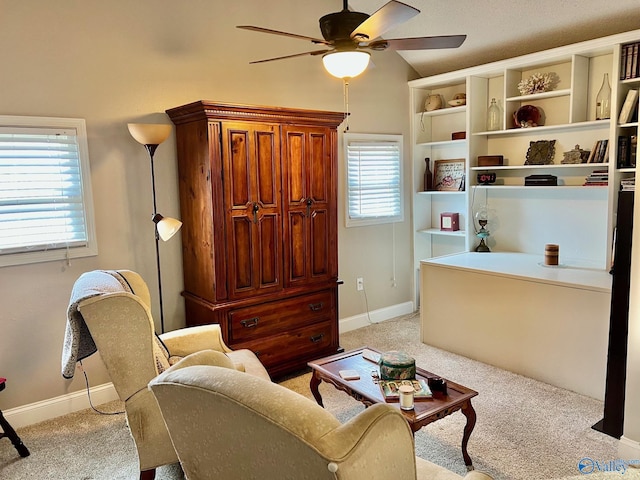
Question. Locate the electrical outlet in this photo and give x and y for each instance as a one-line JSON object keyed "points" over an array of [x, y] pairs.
{"points": [[359, 283]]}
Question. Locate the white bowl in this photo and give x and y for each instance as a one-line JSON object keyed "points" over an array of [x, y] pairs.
{"points": [[456, 102]]}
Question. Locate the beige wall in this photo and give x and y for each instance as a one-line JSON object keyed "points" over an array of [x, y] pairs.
{"points": [[127, 61]]}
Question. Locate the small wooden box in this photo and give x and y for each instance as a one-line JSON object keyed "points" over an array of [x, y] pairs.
{"points": [[458, 135], [490, 160], [449, 221]]}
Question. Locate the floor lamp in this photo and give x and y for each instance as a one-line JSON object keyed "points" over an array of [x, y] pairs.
{"points": [[151, 135]]}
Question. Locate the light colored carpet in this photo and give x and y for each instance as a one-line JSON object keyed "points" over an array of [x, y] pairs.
{"points": [[525, 429]]}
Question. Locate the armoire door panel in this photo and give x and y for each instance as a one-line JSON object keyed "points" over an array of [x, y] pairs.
{"points": [[238, 167], [320, 254], [267, 169], [268, 252], [242, 246], [298, 246], [296, 168], [319, 167]]}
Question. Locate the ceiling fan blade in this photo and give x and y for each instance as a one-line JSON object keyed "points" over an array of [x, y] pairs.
{"points": [[385, 18], [419, 43], [284, 34], [313, 52]]}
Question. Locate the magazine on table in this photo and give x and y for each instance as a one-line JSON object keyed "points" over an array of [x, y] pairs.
{"points": [[390, 389]]}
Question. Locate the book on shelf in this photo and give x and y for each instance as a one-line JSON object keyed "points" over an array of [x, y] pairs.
{"points": [[627, 149], [628, 107], [629, 65], [599, 152], [390, 389], [597, 178], [628, 184]]}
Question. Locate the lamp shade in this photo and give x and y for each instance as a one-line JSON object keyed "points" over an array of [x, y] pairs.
{"points": [[149, 133], [166, 226], [346, 64]]}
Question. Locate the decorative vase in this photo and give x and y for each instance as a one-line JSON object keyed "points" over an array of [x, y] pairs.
{"points": [[428, 176], [493, 116], [603, 100], [434, 102]]}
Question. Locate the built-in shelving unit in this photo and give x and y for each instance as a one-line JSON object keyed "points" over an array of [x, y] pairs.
{"points": [[524, 218]]}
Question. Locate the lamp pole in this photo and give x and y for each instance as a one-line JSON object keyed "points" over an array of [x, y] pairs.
{"points": [[151, 148], [152, 135]]}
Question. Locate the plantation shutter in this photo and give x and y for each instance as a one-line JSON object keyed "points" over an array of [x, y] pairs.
{"points": [[41, 190], [374, 183]]}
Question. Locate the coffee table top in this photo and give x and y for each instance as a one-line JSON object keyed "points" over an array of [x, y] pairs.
{"points": [[367, 390]]}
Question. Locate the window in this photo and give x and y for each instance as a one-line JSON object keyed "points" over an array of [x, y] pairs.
{"points": [[374, 179], [46, 209]]}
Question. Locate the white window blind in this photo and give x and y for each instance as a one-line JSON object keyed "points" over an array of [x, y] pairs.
{"points": [[374, 178], [45, 202]]}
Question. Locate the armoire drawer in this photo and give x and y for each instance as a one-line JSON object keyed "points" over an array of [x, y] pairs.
{"points": [[271, 318], [299, 343]]}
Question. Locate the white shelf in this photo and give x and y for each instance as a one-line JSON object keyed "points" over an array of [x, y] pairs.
{"points": [[437, 231], [444, 111], [438, 192], [538, 96], [538, 187], [593, 124], [586, 166], [630, 124], [443, 143]]}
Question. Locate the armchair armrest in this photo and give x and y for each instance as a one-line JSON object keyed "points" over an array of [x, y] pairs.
{"points": [[378, 441], [204, 357], [189, 340]]}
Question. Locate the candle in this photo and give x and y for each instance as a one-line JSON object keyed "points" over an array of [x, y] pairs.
{"points": [[551, 254], [406, 397]]}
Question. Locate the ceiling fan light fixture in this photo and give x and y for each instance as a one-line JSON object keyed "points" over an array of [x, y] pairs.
{"points": [[346, 63]]}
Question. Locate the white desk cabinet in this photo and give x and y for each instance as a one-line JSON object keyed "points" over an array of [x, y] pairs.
{"points": [[507, 310]]}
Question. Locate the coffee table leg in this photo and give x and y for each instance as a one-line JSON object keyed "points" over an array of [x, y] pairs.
{"points": [[470, 413], [313, 385]]}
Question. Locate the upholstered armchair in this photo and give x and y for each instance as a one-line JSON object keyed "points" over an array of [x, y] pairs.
{"points": [[110, 311], [224, 424]]}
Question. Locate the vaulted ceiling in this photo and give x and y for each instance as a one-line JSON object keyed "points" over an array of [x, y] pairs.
{"points": [[499, 29]]}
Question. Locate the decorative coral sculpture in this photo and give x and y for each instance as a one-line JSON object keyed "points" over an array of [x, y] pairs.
{"points": [[537, 83]]}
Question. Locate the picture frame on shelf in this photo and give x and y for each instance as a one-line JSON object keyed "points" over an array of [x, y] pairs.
{"points": [[541, 152], [449, 175]]}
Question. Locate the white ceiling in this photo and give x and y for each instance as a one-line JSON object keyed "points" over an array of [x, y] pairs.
{"points": [[499, 29]]}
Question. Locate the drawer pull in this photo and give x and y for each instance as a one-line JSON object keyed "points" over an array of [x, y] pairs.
{"points": [[316, 307], [317, 338], [250, 322]]}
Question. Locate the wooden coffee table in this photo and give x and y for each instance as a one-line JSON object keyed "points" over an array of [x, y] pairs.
{"points": [[366, 390]]}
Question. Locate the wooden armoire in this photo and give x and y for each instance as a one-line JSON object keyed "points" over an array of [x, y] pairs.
{"points": [[258, 201]]}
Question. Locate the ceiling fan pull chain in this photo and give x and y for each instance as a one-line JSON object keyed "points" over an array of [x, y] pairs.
{"points": [[346, 103]]}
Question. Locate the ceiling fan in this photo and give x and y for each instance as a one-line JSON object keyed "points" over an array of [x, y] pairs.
{"points": [[347, 34]]}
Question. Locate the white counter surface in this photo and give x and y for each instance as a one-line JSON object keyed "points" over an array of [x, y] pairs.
{"points": [[527, 267]]}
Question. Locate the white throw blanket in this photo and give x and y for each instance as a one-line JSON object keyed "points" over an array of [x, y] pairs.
{"points": [[78, 343]]}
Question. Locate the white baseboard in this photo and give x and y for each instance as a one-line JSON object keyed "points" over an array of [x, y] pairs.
{"points": [[380, 315], [628, 449], [54, 407]]}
